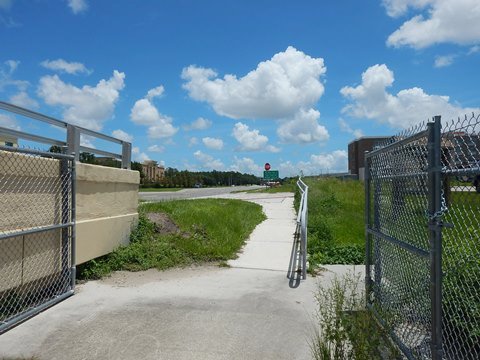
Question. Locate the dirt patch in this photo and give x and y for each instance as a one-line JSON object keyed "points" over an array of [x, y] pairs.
{"points": [[139, 278], [163, 224]]}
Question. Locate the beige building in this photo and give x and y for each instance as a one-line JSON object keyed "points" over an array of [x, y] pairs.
{"points": [[152, 171], [7, 140]]}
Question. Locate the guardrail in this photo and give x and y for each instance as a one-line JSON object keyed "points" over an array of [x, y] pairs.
{"points": [[72, 144], [302, 222]]}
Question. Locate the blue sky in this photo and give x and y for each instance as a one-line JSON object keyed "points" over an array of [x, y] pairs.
{"points": [[230, 85]]}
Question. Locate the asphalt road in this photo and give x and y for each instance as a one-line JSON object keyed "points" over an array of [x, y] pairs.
{"points": [[193, 193]]}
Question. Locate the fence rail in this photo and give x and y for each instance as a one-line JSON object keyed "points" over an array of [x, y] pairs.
{"points": [[422, 219], [72, 143], [302, 222]]}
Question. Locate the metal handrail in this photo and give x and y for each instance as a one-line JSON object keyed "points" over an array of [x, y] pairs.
{"points": [[72, 143], [302, 223]]}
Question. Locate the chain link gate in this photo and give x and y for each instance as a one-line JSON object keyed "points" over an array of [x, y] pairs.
{"points": [[423, 239], [37, 232]]}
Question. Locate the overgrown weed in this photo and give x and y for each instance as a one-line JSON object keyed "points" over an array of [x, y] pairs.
{"points": [[345, 330], [336, 222]]}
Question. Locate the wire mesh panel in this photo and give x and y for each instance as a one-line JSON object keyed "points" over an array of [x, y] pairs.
{"points": [[423, 239], [461, 239], [399, 272], [36, 232]]}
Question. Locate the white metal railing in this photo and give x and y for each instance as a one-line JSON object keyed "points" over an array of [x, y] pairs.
{"points": [[302, 222], [72, 144]]}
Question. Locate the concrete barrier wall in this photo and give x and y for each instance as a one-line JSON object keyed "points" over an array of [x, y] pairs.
{"points": [[106, 198], [107, 201]]}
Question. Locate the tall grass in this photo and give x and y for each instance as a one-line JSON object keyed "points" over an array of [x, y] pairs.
{"points": [[336, 221], [209, 230]]}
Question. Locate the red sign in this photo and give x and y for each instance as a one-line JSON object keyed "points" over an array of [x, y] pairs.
{"points": [[267, 166]]}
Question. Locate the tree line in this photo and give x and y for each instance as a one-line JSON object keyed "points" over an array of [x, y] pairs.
{"points": [[185, 178], [174, 177]]}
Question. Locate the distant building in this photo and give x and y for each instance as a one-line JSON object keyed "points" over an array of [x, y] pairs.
{"points": [[152, 171], [7, 140], [356, 153]]}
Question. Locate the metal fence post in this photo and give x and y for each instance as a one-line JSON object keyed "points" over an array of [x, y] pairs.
{"points": [[73, 244], [368, 277], [435, 226], [73, 141], [126, 155], [65, 216], [377, 255], [305, 235]]}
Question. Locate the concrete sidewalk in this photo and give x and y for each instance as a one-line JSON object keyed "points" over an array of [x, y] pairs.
{"points": [[248, 311], [270, 244]]}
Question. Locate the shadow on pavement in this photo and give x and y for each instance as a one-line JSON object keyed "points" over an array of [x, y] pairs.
{"points": [[294, 273]]}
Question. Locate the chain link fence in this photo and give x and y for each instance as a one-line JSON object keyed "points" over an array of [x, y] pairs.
{"points": [[423, 239], [36, 232]]}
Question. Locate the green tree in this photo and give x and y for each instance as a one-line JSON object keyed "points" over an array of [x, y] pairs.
{"points": [[87, 158]]}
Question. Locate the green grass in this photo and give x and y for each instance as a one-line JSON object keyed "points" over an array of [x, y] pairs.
{"points": [[461, 268], [159, 189], [285, 187], [336, 232], [211, 230]]}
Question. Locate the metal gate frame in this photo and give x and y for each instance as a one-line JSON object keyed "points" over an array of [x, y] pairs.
{"points": [[433, 176], [66, 225]]}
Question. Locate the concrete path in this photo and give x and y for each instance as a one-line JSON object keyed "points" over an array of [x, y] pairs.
{"points": [[270, 244], [191, 193], [249, 311]]}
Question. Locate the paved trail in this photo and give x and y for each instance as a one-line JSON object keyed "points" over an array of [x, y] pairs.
{"points": [[249, 311], [193, 193]]}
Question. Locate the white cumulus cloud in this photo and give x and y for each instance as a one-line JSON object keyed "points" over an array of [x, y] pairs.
{"points": [[156, 148], [78, 6], [192, 141], [345, 127], [442, 21], [443, 61], [408, 107], [145, 113], [9, 122], [88, 106], [473, 50], [87, 141], [213, 143], [303, 127], [251, 140], [122, 135], [155, 92], [63, 66], [246, 165], [335, 161], [22, 99], [277, 88], [139, 155], [7, 69], [208, 162], [198, 124]]}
